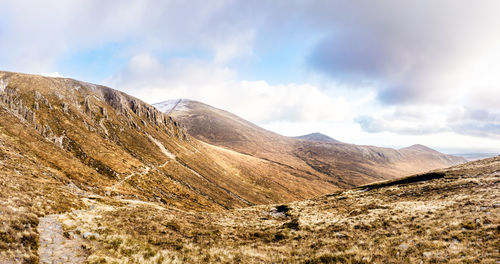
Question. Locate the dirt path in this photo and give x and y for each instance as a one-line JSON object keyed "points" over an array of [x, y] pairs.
{"points": [[143, 172], [54, 247]]}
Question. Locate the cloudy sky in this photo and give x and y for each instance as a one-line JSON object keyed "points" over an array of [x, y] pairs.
{"points": [[386, 73]]}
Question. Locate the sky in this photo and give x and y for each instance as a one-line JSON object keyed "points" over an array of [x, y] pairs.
{"points": [[386, 73]]}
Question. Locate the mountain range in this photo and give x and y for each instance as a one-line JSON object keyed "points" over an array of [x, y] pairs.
{"points": [[313, 156], [67, 147]]}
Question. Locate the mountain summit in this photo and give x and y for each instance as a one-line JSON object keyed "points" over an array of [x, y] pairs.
{"points": [[318, 137], [419, 148]]}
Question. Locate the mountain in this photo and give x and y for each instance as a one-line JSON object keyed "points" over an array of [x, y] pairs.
{"points": [[318, 137], [476, 156], [222, 128], [344, 165], [94, 175], [64, 141], [95, 138]]}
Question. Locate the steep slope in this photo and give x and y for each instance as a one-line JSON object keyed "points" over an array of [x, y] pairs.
{"points": [[318, 137], [63, 142], [345, 165], [99, 139], [222, 128]]}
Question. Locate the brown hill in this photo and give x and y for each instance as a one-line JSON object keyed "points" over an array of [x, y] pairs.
{"points": [[445, 216], [99, 139], [344, 165], [318, 137], [62, 139], [86, 170]]}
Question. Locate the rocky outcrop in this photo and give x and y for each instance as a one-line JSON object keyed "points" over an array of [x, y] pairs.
{"points": [[94, 107]]}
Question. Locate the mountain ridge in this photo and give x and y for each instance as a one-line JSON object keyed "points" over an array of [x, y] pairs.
{"points": [[114, 135], [316, 136], [346, 164], [73, 153]]}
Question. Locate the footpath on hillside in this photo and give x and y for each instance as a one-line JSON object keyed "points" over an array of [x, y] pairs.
{"points": [[55, 247]]}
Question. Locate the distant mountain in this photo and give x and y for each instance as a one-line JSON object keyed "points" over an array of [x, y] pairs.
{"points": [[344, 165], [318, 137], [419, 148], [476, 156]]}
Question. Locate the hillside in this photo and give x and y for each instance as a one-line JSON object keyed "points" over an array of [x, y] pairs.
{"points": [[83, 164], [450, 215], [61, 139], [345, 165], [318, 137]]}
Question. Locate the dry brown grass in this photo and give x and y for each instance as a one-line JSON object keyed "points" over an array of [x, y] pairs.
{"points": [[172, 210], [453, 219], [333, 165], [93, 137]]}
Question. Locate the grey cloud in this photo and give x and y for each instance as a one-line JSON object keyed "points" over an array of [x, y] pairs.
{"points": [[377, 125], [370, 124], [479, 129], [37, 34], [407, 49], [478, 122], [350, 57], [473, 122]]}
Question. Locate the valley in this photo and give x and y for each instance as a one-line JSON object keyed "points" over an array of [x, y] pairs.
{"points": [[85, 166]]}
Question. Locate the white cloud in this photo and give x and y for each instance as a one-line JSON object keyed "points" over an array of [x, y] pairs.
{"points": [[146, 78], [431, 67], [239, 45], [416, 51], [52, 74]]}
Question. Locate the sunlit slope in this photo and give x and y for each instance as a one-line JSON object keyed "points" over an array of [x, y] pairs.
{"points": [[344, 165], [107, 142], [445, 216]]}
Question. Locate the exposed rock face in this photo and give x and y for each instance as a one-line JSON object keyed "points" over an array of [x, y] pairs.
{"points": [[65, 107], [87, 105], [121, 103], [3, 85], [10, 99], [97, 136]]}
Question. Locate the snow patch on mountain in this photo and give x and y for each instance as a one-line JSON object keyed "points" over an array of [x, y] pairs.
{"points": [[171, 105]]}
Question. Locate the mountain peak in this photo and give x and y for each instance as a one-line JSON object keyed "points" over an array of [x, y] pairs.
{"points": [[421, 148], [171, 105], [316, 136]]}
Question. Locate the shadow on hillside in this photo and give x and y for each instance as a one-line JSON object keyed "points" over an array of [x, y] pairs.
{"points": [[406, 180]]}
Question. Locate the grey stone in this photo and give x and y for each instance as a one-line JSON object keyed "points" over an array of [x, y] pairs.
{"points": [[90, 235], [427, 254], [403, 246]]}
